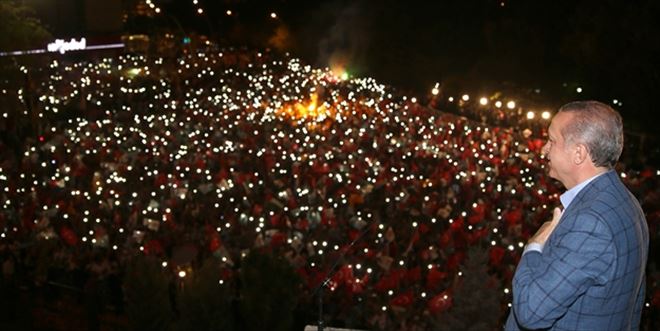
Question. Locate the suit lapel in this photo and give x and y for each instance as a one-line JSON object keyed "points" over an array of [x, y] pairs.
{"points": [[600, 184]]}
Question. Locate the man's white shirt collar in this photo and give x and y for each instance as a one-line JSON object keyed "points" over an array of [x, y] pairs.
{"points": [[569, 195]]}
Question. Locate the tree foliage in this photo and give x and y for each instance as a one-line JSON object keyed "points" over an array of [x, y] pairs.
{"points": [[477, 305], [20, 29], [205, 303], [269, 292], [147, 295]]}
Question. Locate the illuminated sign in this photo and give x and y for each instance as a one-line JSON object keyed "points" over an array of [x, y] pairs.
{"points": [[63, 46]]}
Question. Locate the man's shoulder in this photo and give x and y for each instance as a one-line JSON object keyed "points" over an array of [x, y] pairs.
{"points": [[606, 188], [608, 179], [608, 201]]}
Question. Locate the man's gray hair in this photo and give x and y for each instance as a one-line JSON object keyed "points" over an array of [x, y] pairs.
{"points": [[598, 127]]}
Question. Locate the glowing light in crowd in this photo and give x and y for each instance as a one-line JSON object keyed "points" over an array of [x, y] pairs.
{"points": [[498, 104], [483, 101], [578, 90], [152, 6], [436, 89], [465, 97], [340, 72], [511, 104], [530, 115], [545, 115], [309, 110], [132, 72]]}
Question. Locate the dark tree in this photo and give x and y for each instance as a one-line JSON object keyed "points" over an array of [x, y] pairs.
{"points": [[268, 292], [20, 29], [205, 302], [147, 295], [476, 299]]}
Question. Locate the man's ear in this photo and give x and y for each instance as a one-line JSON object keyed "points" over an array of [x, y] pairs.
{"points": [[581, 154]]}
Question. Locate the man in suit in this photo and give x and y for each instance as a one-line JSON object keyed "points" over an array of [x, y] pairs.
{"points": [[585, 269]]}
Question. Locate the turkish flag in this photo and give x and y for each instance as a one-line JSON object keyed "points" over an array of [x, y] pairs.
{"points": [[402, 300], [496, 254], [434, 277], [214, 243], [153, 247], [68, 236], [440, 302]]}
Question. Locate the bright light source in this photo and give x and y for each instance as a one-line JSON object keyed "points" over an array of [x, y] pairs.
{"points": [[545, 115], [530, 115], [436, 89], [511, 104], [498, 104], [133, 72], [578, 90], [465, 97], [483, 101]]}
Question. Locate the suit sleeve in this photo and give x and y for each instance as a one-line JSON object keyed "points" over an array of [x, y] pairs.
{"points": [[639, 305], [546, 284]]}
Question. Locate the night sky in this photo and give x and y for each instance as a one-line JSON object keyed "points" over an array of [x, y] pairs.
{"points": [[542, 49]]}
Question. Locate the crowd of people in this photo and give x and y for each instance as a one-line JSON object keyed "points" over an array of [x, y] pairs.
{"points": [[216, 154]]}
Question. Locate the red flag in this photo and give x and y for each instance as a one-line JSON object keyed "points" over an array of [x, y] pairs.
{"points": [[440, 303]]}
